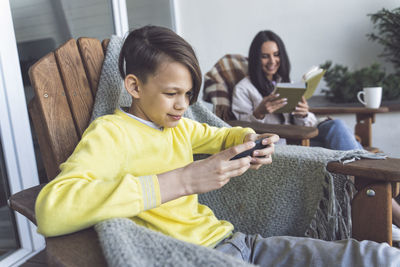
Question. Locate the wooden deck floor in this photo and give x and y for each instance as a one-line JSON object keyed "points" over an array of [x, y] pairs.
{"points": [[39, 260]]}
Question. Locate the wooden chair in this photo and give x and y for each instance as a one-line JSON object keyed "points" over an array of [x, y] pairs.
{"points": [[65, 82], [218, 87]]}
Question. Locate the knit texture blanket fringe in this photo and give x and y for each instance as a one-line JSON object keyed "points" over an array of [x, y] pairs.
{"points": [[295, 195], [126, 244]]}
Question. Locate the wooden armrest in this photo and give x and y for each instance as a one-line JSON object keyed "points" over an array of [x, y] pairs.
{"points": [[293, 132], [347, 110], [24, 202], [78, 249], [386, 170]]}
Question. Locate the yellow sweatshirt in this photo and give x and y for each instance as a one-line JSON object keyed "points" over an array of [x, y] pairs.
{"points": [[113, 173]]}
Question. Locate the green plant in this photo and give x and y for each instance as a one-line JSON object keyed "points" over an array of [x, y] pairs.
{"points": [[344, 84], [388, 25]]}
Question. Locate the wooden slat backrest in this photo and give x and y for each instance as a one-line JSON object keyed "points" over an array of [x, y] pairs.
{"points": [[46, 150], [76, 84], [63, 100], [55, 112], [92, 57]]}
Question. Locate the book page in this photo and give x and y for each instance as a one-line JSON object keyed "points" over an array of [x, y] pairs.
{"points": [[312, 83]]}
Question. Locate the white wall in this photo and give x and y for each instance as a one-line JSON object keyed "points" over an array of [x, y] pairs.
{"points": [[313, 32]]}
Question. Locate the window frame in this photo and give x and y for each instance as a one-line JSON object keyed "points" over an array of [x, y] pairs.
{"points": [[15, 131]]}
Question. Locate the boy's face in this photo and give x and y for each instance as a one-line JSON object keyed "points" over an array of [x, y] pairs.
{"points": [[164, 97]]}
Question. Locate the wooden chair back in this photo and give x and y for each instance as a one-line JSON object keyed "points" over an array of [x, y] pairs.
{"points": [[65, 83]]}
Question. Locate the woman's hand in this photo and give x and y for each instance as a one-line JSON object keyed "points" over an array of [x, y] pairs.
{"points": [[301, 108], [268, 105], [262, 156]]}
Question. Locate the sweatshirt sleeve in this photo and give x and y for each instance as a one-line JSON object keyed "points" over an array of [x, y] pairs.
{"points": [[242, 105], [310, 120], [210, 140], [93, 186]]}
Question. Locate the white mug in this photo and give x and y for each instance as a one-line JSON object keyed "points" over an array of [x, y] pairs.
{"points": [[372, 97]]}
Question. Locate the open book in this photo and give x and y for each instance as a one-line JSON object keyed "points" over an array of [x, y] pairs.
{"points": [[294, 91]]}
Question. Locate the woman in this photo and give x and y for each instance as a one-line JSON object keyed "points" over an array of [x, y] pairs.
{"points": [[253, 98]]}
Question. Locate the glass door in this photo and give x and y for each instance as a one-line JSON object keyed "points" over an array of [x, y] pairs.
{"points": [[151, 12], [18, 237], [29, 30]]}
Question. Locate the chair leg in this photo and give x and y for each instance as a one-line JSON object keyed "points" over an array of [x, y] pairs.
{"points": [[363, 128], [305, 142], [372, 211], [302, 142]]}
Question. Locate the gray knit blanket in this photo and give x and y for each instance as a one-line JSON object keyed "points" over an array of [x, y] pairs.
{"points": [[295, 195]]}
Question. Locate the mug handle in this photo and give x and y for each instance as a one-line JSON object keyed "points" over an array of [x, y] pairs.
{"points": [[359, 97]]}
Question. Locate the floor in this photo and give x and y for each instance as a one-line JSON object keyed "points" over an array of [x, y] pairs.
{"points": [[7, 240], [39, 260]]}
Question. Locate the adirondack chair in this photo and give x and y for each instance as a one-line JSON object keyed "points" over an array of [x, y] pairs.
{"points": [[65, 83]]}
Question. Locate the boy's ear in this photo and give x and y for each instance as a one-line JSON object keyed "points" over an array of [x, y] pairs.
{"points": [[132, 85]]}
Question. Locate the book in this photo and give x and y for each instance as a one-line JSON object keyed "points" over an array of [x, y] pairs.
{"points": [[294, 91]]}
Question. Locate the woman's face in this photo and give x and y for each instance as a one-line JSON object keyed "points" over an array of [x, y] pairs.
{"points": [[270, 59]]}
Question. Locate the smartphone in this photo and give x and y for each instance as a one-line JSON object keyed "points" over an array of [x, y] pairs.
{"points": [[249, 152]]}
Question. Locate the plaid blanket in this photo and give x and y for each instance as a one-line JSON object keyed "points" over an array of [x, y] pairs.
{"points": [[222, 78]]}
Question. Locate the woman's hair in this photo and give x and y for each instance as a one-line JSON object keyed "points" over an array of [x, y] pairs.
{"points": [[256, 73], [144, 49]]}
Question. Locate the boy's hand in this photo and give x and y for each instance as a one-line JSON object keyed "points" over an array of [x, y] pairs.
{"points": [[262, 156], [215, 171]]}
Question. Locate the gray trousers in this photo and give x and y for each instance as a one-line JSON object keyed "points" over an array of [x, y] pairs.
{"points": [[298, 251]]}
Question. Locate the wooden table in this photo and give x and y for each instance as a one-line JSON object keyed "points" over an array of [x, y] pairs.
{"points": [[365, 118]]}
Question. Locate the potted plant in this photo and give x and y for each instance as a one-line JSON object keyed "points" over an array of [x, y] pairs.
{"points": [[344, 84]]}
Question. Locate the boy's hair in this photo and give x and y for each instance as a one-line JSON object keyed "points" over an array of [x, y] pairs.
{"points": [[256, 73], [144, 49]]}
